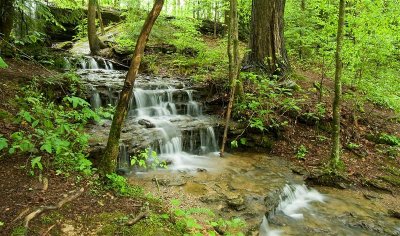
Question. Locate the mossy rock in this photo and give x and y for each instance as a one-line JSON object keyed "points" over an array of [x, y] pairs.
{"points": [[393, 180]]}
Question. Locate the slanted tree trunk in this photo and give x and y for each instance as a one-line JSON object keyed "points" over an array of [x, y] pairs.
{"points": [[109, 159], [267, 46], [233, 37], [100, 18], [6, 20], [94, 42], [335, 154]]}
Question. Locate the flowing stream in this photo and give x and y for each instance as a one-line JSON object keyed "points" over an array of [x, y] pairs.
{"points": [[166, 115]]}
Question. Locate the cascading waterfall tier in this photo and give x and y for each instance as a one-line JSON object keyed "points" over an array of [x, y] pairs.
{"points": [[163, 115]]}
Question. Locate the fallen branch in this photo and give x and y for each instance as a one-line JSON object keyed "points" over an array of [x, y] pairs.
{"points": [[48, 230], [140, 216], [21, 214], [42, 209]]}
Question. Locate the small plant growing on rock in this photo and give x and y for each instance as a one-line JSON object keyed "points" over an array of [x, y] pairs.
{"points": [[148, 159], [301, 152]]}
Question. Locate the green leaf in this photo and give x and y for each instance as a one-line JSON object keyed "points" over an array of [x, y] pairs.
{"points": [[37, 162], [175, 202], [47, 147], [3, 143], [179, 212], [27, 116], [11, 150], [35, 123], [243, 141], [234, 144], [3, 64]]}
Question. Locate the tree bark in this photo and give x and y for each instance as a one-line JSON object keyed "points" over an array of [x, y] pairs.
{"points": [[94, 42], [100, 18], [267, 45], [233, 68], [109, 159], [335, 155], [215, 19], [6, 20]]}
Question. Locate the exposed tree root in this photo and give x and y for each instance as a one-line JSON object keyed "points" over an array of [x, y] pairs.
{"points": [[42, 209], [140, 216]]}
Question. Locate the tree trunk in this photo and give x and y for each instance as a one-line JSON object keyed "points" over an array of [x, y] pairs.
{"points": [[108, 162], [215, 19], [94, 42], [233, 68], [303, 10], [267, 47], [100, 18], [335, 155], [6, 20]]}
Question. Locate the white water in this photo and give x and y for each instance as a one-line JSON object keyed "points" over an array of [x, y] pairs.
{"points": [[293, 200], [95, 100], [90, 63], [158, 106]]}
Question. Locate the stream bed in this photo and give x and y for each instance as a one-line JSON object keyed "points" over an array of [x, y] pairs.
{"points": [[170, 117]]}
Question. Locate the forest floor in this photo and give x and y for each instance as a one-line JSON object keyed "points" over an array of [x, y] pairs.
{"points": [[370, 163]]}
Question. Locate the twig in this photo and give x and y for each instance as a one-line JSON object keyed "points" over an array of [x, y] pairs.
{"points": [[140, 216], [42, 209], [48, 230], [158, 186], [21, 214]]}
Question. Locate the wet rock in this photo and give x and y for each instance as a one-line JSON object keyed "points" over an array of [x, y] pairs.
{"points": [[146, 123], [369, 226], [63, 45], [177, 182], [272, 200], [378, 185], [299, 170], [210, 198], [323, 179], [237, 203], [371, 196], [394, 214]]}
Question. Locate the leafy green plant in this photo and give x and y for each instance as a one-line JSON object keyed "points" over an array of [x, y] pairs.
{"points": [[265, 103], [3, 142], [389, 139], [3, 64], [187, 220], [352, 146], [55, 131], [148, 159], [301, 152], [121, 186]]}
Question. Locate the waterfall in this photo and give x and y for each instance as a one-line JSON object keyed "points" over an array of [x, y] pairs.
{"points": [[123, 157], [265, 229], [161, 116], [95, 100], [93, 63], [193, 108], [296, 197], [293, 199]]}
